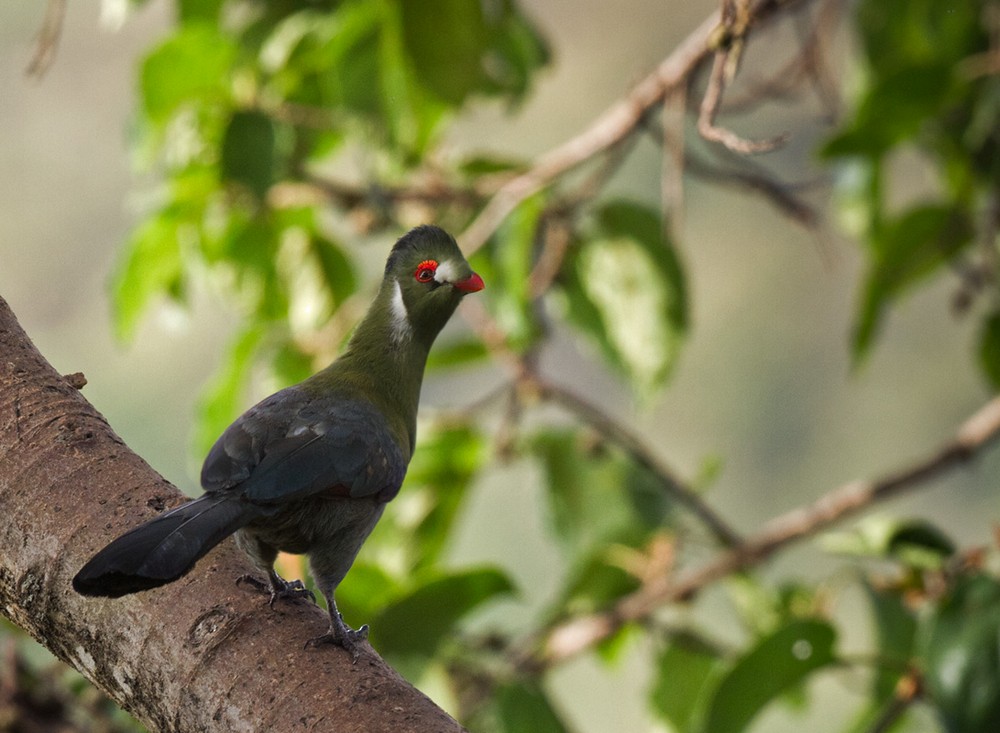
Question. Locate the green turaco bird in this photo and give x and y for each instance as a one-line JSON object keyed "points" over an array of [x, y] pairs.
{"points": [[310, 469]]}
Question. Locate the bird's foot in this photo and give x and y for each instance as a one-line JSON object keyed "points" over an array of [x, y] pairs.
{"points": [[279, 588], [343, 636]]}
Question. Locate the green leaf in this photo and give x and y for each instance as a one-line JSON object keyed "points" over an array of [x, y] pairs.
{"points": [[418, 623], [441, 472], [223, 399], [916, 543], [895, 633], [338, 271], [191, 66], [248, 151], [366, 590], [199, 10], [592, 584], [152, 267], [596, 495], [506, 264], [961, 650], [778, 664], [523, 707], [445, 41], [893, 110], [989, 348], [456, 353], [905, 251], [686, 673], [516, 51], [626, 290]]}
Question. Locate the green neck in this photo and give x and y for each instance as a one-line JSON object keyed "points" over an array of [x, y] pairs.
{"points": [[384, 366]]}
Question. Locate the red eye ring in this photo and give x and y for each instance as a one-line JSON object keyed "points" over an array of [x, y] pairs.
{"points": [[425, 271]]}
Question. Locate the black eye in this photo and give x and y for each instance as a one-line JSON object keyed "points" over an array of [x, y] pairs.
{"points": [[425, 271]]}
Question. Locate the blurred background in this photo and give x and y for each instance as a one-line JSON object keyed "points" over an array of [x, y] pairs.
{"points": [[764, 385]]}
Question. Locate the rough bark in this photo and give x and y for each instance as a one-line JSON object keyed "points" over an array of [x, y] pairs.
{"points": [[201, 654]]}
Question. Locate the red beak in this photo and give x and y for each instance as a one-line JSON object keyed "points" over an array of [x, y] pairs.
{"points": [[472, 284]]}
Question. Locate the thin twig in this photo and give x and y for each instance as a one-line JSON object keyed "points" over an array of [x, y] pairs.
{"points": [[710, 107], [579, 634], [618, 434], [610, 128], [48, 39]]}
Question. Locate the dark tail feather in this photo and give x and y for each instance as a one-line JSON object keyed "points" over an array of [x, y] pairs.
{"points": [[163, 549]]}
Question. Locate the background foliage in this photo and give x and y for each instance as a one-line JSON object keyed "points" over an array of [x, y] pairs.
{"points": [[293, 139]]}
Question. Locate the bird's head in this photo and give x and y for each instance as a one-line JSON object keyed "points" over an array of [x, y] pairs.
{"points": [[426, 277]]}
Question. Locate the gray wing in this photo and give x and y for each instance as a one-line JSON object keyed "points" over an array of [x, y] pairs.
{"points": [[291, 446]]}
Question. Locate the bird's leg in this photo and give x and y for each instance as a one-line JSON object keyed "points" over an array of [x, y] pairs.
{"points": [[279, 587], [340, 633]]}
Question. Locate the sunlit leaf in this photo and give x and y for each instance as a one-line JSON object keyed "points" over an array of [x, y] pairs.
{"points": [[627, 291], [191, 66], [152, 267]]}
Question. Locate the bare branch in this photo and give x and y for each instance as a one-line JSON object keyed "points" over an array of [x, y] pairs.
{"points": [[48, 39], [577, 635], [710, 107]]}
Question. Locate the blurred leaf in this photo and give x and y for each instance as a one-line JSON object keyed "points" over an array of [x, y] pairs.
{"points": [[337, 269], [223, 399], [152, 267], [248, 151], [774, 666], [686, 673], [895, 632], [989, 348], [506, 264], [894, 110], [905, 251], [420, 621], [899, 33], [198, 10], [445, 41], [456, 353], [961, 650], [443, 467], [516, 51], [192, 66], [523, 707], [626, 290], [366, 590], [596, 495], [915, 542], [592, 584]]}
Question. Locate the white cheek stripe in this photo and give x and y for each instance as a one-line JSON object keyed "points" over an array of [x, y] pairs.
{"points": [[445, 272], [400, 316]]}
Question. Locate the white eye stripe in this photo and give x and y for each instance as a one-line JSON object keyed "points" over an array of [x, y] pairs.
{"points": [[445, 272]]}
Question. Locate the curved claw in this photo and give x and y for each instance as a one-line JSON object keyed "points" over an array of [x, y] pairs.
{"points": [[343, 636], [279, 588]]}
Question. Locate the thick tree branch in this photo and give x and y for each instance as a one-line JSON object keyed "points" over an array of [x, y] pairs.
{"points": [[201, 654], [579, 634]]}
